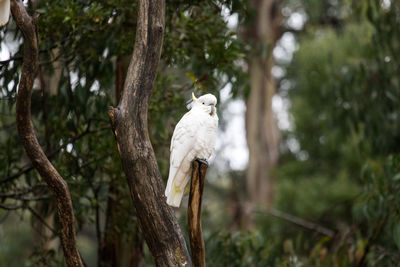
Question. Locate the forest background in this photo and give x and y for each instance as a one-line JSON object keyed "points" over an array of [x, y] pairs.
{"points": [[312, 87]]}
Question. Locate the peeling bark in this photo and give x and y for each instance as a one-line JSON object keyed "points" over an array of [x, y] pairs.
{"points": [[129, 120], [56, 183]]}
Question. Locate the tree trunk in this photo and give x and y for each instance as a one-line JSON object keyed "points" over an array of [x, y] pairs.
{"points": [[262, 132], [129, 120], [109, 247], [56, 183]]}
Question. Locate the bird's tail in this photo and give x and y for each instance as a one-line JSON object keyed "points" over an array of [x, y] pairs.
{"points": [[174, 196], [4, 11], [177, 181]]}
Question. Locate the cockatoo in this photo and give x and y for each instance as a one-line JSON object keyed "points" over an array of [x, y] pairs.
{"points": [[4, 11], [193, 138]]}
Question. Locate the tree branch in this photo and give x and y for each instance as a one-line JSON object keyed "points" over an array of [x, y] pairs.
{"points": [[56, 183], [194, 214], [72, 140], [300, 222], [156, 219], [43, 221], [5, 207], [22, 191]]}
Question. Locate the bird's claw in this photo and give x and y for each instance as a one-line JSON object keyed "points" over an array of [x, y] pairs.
{"points": [[204, 161]]}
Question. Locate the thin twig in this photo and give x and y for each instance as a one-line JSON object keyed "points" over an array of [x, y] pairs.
{"points": [[22, 191], [42, 220], [29, 167], [5, 62], [16, 207], [300, 222]]}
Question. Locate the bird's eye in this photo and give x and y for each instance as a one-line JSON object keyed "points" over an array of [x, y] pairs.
{"points": [[203, 103]]}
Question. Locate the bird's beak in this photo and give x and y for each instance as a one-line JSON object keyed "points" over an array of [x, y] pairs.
{"points": [[212, 110]]}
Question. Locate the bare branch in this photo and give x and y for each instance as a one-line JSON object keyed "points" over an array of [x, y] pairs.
{"points": [[43, 221], [300, 222], [22, 191], [194, 214], [16, 175], [25, 194], [6, 207], [56, 183]]}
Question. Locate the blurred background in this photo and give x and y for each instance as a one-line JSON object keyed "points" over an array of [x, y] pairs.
{"points": [[307, 167]]}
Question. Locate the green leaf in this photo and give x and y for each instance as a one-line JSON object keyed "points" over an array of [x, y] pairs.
{"points": [[41, 10]]}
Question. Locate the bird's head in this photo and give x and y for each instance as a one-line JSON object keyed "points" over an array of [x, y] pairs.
{"points": [[205, 102]]}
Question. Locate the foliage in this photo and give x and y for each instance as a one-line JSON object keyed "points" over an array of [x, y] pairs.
{"points": [[238, 249], [340, 163], [345, 103]]}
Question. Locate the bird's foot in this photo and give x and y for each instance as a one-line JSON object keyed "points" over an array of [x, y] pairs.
{"points": [[204, 161]]}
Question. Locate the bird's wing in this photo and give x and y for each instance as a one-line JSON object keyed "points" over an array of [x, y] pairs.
{"points": [[182, 154], [183, 138]]}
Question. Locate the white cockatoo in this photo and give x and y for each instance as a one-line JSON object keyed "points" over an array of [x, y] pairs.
{"points": [[193, 138], [4, 11]]}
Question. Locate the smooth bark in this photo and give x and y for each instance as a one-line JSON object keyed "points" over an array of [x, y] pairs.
{"points": [[262, 133], [56, 183], [129, 120]]}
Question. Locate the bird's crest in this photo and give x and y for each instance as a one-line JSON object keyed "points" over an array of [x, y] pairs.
{"points": [[189, 104]]}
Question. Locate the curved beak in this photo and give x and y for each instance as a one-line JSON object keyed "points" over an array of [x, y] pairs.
{"points": [[212, 110]]}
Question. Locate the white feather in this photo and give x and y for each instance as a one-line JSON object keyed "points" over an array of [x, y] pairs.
{"points": [[194, 137], [4, 11]]}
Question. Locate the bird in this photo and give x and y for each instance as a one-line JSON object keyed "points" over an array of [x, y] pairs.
{"points": [[194, 137], [4, 11]]}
